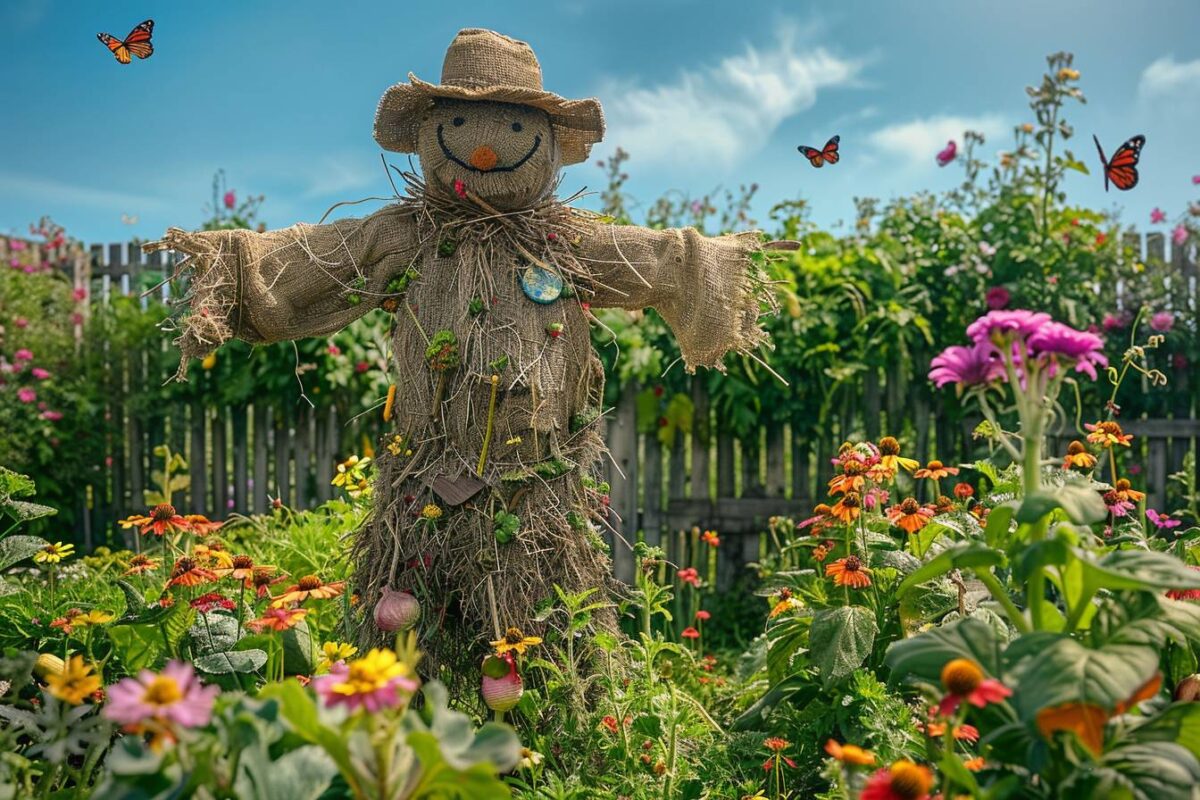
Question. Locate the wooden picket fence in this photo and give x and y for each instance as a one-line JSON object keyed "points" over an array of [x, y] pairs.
{"points": [[240, 458]]}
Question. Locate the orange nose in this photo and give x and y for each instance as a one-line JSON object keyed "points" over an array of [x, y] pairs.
{"points": [[483, 158]]}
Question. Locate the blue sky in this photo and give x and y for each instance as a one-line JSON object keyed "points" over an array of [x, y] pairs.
{"points": [[281, 94]]}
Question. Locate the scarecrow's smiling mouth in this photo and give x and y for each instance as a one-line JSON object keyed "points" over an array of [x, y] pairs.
{"points": [[446, 151]]}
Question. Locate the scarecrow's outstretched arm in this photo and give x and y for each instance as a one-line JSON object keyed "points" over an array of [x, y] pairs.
{"points": [[306, 280], [710, 290]]}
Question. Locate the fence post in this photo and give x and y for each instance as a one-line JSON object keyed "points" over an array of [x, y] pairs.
{"points": [[624, 490], [701, 437]]}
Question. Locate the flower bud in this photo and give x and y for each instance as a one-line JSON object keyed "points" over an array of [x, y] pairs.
{"points": [[1188, 690], [396, 611], [501, 685]]}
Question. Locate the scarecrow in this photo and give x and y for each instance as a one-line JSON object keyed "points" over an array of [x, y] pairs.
{"points": [[486, 493]]}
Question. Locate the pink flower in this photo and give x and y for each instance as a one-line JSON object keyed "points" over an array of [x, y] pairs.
{"points": [[1113, 322], [26, 395], [334, 350], [52, 416], [689, 575], [174, 696], [1162, 520], [966, 366], [703, 615], [1157, 216], [230, 199], [1054, 339], [16, 245], [374, 682], [79, 294], [77, 318], [361, 367], [1180, 234], [39, 373], [997, 297], [460, 189], [21, 322], [1018, 323], [23, 354], [1117, 505], [947, 153], [964, 681], [1195, 179], [690, 633], [1163, 321]]}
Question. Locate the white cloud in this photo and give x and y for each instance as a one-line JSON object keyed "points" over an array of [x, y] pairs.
{"points": [[917, 142], [724, 112], [335, 175], [54, 192], [1166, 77]]}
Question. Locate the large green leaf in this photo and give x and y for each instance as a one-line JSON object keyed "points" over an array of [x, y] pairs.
{"points": [[300, 711], [1159, 771], [799, 689], [961, 555], [137, 646], [787, 640], [1145, 618], [299, 650], [213, 632], [1138, 569], [840, 640], [1081, 504], [19, 548], [1065, 671], [1179, 723], [223, 663], [24, 511], [924, 655], [300, 774]]}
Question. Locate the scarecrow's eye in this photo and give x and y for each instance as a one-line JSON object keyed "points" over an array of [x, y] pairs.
{"points": [[458, 121], [516, 127]]}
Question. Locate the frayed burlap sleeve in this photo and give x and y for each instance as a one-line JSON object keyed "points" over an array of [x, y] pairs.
{"points": [[710, 290], [306, 280]]}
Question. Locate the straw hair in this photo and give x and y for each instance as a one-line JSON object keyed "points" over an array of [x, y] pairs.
{"points": [[485, 65]]}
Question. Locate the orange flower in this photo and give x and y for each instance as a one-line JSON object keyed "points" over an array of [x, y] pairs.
{"points": [[935, 470], [965, 733], [975, 764], [306, 587], [776, 744], [851, 480], [277, 619], [1108, 433], [711, 538], [903, 780], [213, 556], [261, 581], [241, 569], [1125, 491], [1078, 457], [910, 515], [786, 602], [1085, 720], [161, 520], [890, 458], [963, 680], [201, 524], [1144, 692], [847, 508], [142, 563], [849, 571], [187, 572], [850, 754]]}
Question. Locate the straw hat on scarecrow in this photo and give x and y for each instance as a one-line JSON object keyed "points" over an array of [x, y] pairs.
{"points": [[487, 492]]}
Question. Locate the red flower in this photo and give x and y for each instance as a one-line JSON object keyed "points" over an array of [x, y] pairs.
{"points": [[963, 679], [689, 575], [690, 633], [903, 780], [460, 189], [212, 601], [703, 615]]}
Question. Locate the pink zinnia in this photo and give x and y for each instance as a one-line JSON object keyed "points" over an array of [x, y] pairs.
{"points": [[230, 199], [39, 373], [1113, 322], [21, 322], [24, 354], [1180, 234], [947, 153], [689, 575], [80, 294], [53, 416], [374, 682], [1162, 520], [966, 366], [997, 297], [334, 350], [1157, 216], [174, 696], [1019, 323], [26, 395], [1163, 321], [1085, 349], [1117, 506]]}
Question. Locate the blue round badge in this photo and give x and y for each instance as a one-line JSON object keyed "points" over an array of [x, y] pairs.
{"points": [[541, 285]]}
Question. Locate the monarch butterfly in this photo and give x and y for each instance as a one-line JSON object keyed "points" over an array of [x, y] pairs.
{"points": [[1121, 169], [136, 43], [828, 153]]}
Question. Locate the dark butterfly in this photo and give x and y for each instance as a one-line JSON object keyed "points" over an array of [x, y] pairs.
{"points": [[1121, 169], [827, 154], [137, 43]]}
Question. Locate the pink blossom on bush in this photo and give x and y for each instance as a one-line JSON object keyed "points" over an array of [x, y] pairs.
{"points": [[79, 294], [334, 350], [21, 322], [26, 395], [53, 416], [1157, 216], [1114, 322], [24, 354], [16, 245], [968, 366], [1163, 321], [997, 297], [361, 367], [77, 318], [1180, 234], [40, 374], [230, 199]]}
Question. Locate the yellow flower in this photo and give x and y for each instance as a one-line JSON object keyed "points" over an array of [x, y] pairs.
{"points": [[92, 617], [75, 683], [212, 556], [431, 512], [333, 652], [209, 361], [371, 681], [1068, 74], [515, 640], [396, 445], [529, 758], [54, 553]]}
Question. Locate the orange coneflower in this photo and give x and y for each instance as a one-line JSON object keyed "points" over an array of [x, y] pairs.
{"points": [[787, 601], [213, 556], [161, 520], [909, 515], [1108, 433], [277, 619], [1125, 491], [849, 571], [942, 505], [890, 458], [262, 580], [142, 563], [847, 508], [201, 524], [306, 587], [241, 569], [850, 754], [711, 538], [187, 572], [821, 551], [852, 478], [1078, 457], [935, 470], [963, 733]]}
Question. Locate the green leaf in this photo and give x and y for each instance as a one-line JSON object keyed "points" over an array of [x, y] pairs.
{"points": [[213, 632], [241, 661], [840, 640], [1066, 671], [787, 640], [1082, 505], [960, 555], [134, 602], [798, 689], [1178, 723], [300, 711], [1160, 771], [25, 511], [299, 650], [18, 548], [1138, 569], [998, 522], [924, 655], [138, 646]]}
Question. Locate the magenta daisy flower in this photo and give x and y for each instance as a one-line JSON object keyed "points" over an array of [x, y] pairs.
{"points": [[174, 696], [1002, 324], [966, 366], [1062, 341], [374, 682], [1162, 520]]}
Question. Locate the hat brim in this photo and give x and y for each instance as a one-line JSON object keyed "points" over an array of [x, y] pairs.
{"points": [[578, 124]]}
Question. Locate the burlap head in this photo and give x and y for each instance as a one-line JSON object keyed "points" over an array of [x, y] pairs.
{"points": [[485, 65]]}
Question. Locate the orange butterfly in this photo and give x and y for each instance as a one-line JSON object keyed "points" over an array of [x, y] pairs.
{"points": [[136, 43], [828, 153], [1121, 169]]}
